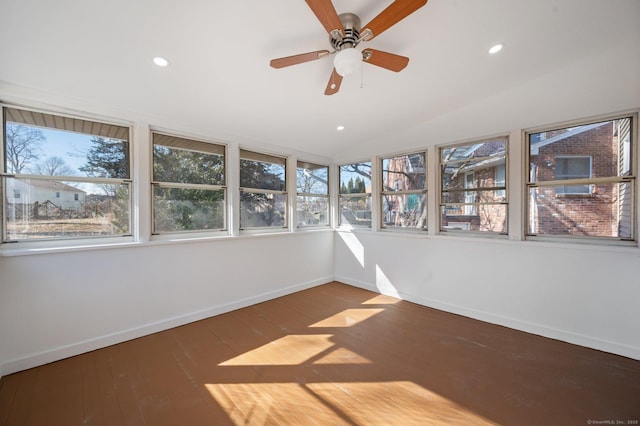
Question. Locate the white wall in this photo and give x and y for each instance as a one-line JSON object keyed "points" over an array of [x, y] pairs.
{"points": [[580, 294], [60, 304]]}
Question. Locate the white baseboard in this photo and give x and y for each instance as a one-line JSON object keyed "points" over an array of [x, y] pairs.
{"points": [[77, 348], [552, 333]]}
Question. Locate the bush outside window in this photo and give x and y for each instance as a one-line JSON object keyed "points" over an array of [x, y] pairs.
{"points": [[473, 195], [263, 195], [189, 192], [404, 195], [355, 194], [312, 200], [64, 177], [580, 181]]}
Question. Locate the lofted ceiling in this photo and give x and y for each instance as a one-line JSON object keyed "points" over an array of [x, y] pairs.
{"points": [[561, 60]]}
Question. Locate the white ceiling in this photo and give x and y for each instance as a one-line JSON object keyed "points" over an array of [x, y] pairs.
{"points": [[561, 59]]}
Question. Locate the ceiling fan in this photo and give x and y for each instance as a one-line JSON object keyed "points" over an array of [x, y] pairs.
{"points": [[345, 33]]}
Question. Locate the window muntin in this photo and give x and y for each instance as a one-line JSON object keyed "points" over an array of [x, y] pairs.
{"points": [[579, 181], [263, 195], [473, 192], [188, 185], [403, 191], [73, 177], [355, 194], [312, 200]]}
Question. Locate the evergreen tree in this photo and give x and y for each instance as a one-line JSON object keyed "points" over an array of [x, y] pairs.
{"points": [[107, 158]]}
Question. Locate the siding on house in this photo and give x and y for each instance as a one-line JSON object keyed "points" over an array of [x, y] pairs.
{"points": [[61, 195]]}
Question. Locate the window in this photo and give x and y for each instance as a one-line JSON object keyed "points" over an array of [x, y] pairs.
{"points": [[403, 192], [577, 167], [312, 199], [355, 194], [473, 192], [48, 158], [189, 192], [579, 182], [263, 195]]}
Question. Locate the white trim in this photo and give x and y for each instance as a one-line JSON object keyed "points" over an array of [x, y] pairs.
{"points": [[528, 327], [77, 348]]}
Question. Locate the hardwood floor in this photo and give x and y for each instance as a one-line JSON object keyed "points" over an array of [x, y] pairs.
{"points": [[330, 355]]}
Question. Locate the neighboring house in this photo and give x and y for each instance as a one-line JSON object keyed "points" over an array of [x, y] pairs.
{"points": [[586, 152], [598, 150], [34, 192], [403, 173], [483, 210]]}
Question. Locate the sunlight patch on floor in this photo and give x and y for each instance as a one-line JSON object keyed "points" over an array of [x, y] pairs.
{"points": [[397, 403]]}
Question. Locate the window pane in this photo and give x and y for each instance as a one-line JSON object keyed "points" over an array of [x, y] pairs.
{"points": [[607, 213], [403, 173], [312, 211], [180, 209], [312, 179], [40, 208], [591, 150], [262, 210], [482, 217], [355, 210], [355, 178], [404, 210], [262, 175], [53, 152], [183, 166]]}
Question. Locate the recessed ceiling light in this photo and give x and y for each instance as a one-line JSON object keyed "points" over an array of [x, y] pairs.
{"points": [[160, 61], [340, 128], [495, 49]]}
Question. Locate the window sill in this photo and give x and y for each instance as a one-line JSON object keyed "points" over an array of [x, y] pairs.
{"points": [[48, 247]]}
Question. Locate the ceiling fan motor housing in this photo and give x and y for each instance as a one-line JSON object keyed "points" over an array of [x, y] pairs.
{"points": [[351, 24]]}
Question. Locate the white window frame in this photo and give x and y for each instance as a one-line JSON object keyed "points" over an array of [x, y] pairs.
{"points": [[248, 154], [629, 146], [471, 205], [367, 195], [396, 191], [53, 120], [303, 165], [188, 144]]}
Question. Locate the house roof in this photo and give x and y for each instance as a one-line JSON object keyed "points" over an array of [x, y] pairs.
{"points": [[535, 147], [561, 60], [53, 185]]}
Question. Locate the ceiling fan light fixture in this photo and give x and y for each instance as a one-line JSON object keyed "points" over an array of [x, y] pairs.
{"points": [[347, 61]]}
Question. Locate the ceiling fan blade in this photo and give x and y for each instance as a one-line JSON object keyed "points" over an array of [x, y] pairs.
{"points": [[298, 59], [385, 60], [334, 83], [327, 15], [394, 13]]}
